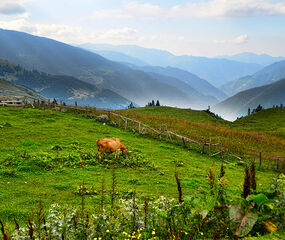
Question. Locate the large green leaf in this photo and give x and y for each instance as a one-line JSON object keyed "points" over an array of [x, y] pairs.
{"points": [[259, 199], [236, 213], [246, 224]]}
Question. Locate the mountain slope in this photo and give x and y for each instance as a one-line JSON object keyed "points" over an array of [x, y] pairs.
{"points": [[58, 58], [247, 57], [267, 96], [65, 88], [267, 75], [194, 81], [120, 57], [10, 89], [216, 71]]}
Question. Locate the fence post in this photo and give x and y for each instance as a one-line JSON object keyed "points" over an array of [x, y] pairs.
{"points": [[139, 127], [109, 115], [160, 132], [227, 154], [203, 146], [126, 124], [260, 159], [221, 151], [210, 147], [119, 120], [184, 142], [166, 132], [132, 124], [277, 164]]}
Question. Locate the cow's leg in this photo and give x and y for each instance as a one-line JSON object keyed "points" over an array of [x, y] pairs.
{"points": [[99, 153], [116, 153]]}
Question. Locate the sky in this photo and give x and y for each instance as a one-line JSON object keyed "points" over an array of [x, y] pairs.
{"points": [[193, 27]]}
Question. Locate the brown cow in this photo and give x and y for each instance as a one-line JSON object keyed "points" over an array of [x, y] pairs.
{"points": [[110, 145]]}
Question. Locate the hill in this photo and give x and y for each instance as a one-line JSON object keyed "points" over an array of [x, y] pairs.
{"points": [[177, 113], [9, 89], [198, 125], [57, 58], [63, 88], [267, 75], [215, 70], [248, 57], [237, 105], [270, 121]]}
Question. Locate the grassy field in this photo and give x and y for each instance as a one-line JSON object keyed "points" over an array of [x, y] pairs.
{"points": [[270, 121], [35, 132], [261, 132]]}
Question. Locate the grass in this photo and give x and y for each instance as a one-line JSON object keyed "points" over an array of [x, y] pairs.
{"points": [[239, 137], [34, 131], [271, 121]]}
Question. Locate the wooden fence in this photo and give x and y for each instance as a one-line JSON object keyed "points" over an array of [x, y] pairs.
{"points": [[214, 149]]}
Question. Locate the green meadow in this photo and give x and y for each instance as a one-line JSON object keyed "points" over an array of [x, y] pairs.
{"points": [[37, 145]]}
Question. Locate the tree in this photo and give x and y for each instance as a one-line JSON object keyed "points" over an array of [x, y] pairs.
{"points": [[157, 103], [248, 111], [54, 102], [152, 103], [131, 105]]}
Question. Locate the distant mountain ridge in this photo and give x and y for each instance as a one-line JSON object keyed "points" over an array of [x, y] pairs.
{"points": [[247, 57], [194, 81], [237, 105], [53, 57], [215, 70], [267, 75]]}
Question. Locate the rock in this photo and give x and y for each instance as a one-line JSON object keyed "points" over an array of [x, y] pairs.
{"points": [[56, 109], [63, 110], [90, 116], [103, 118], [143, 131]]}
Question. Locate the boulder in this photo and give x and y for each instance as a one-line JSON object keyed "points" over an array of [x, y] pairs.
{"points": [[103, 118]]}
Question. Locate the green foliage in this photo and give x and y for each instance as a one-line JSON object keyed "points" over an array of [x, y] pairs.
{"points": [[74, 159]]}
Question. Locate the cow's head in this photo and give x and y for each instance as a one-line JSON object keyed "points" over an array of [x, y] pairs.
{"points": [[124, 150]]}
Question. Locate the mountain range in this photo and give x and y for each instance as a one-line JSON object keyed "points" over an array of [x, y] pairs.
{"points": [[267, 75], [181, 77], [215, 70], [237, 105], [247, 57], [57, 58]]}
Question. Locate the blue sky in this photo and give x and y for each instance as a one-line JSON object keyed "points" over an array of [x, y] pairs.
{"points": [[194, 27]]}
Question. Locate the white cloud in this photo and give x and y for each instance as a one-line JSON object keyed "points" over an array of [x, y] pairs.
{"points": [[9, 8], [238, 40], [203, 9], [74, 34]]}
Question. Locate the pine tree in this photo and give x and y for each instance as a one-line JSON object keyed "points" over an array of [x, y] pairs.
{"points": [[152, 103], [157, 103]]}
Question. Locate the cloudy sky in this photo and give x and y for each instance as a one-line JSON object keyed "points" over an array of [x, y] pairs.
{"points": [[194, 27]]}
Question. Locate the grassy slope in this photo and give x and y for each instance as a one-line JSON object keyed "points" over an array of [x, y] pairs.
{"points": [[185, 114], [35, 130], [199, 124], [271, 121]]}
